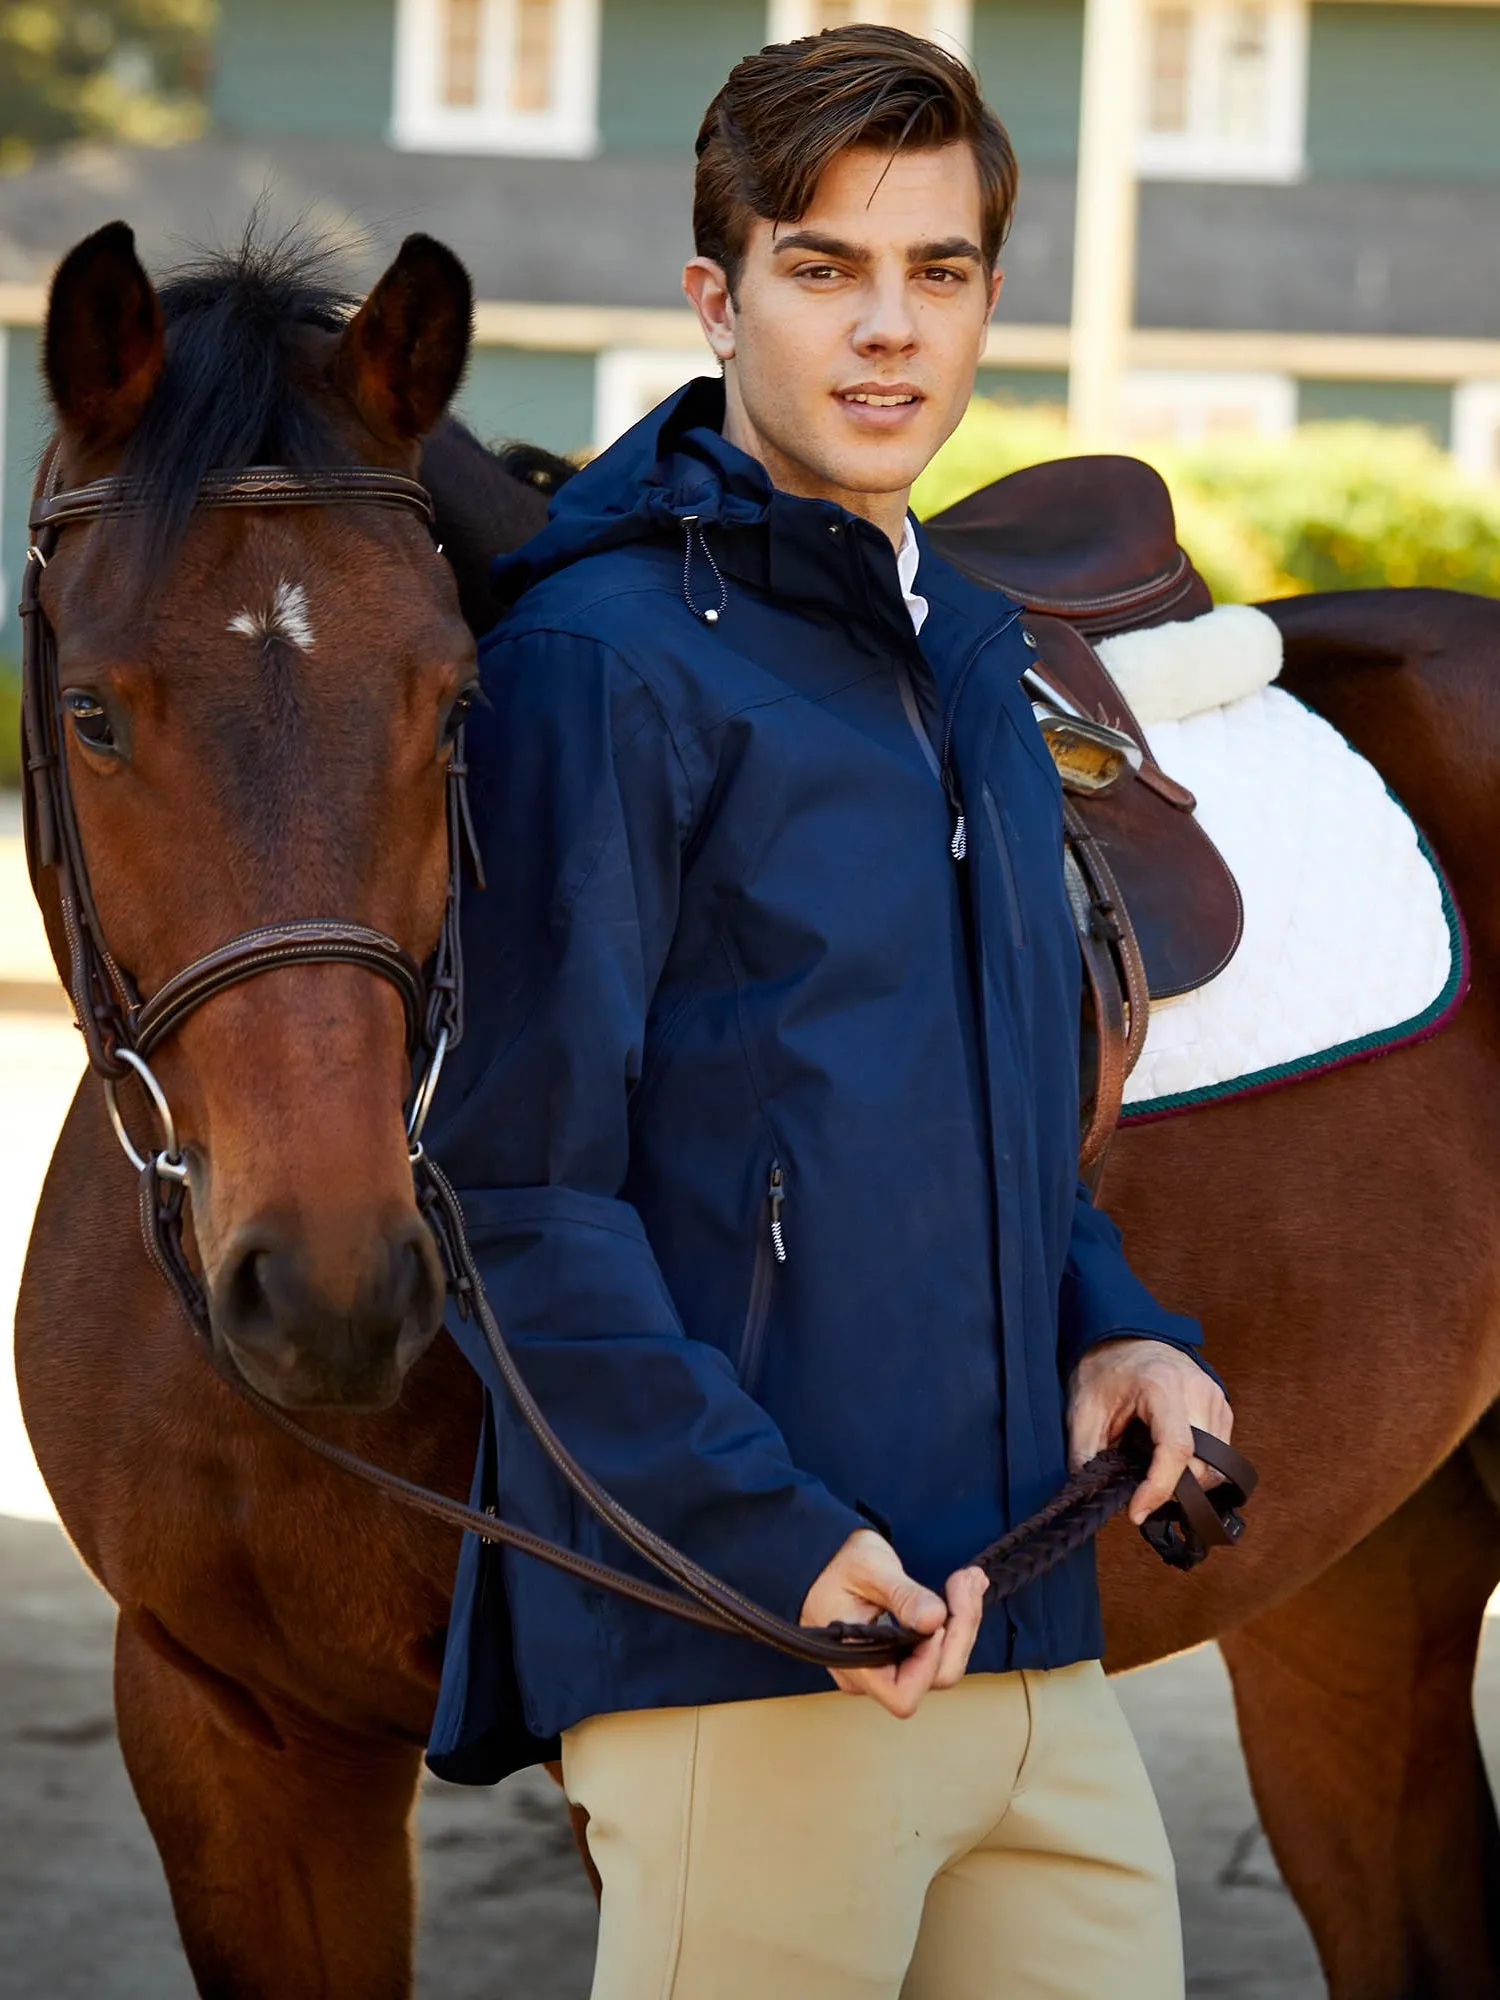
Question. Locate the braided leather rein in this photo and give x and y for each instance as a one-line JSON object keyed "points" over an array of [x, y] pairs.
{"points": [[121, 1031]]}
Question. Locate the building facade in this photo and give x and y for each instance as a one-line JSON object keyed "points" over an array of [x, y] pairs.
{"points": [[1320, 200]]}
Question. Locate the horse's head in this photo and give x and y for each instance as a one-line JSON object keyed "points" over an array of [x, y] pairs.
{"points": [[259, 708]]}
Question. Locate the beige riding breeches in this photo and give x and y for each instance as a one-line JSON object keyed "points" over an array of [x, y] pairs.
{"points": [[1003, 1844]]}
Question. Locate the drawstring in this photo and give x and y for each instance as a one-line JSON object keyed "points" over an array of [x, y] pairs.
{"points": [[710, 617]]}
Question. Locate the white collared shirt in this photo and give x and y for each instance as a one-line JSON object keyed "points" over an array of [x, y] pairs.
{"points": [[907, 558]]}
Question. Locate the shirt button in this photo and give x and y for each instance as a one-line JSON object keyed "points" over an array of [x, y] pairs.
{"points": [[1030, 640]]}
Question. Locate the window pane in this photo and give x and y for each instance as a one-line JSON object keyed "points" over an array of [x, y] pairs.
{"points": [[462, 32], [1170, 32], [533, 69], [1243, 77]]}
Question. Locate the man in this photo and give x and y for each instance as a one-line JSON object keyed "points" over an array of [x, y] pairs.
{"points": [[767, 1121]]}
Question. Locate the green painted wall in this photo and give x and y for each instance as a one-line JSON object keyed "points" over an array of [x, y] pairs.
{"points": [[1029, 54], [24, 433], [1429, 404], [1404, 90], [545, 399], [661, 61], [317, 66]]}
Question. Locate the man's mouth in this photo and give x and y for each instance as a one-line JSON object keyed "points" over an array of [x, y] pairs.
{"points": [[880, 399]]}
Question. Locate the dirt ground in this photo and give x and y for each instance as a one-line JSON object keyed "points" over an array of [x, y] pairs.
{"points": [[506, 1911]]}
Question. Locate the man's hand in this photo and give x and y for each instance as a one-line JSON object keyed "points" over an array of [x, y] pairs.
{"points": [[866, 1578], [1167, 1390]]}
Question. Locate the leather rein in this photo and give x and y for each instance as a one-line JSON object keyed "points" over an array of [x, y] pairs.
{"points": [[121, 1030]]}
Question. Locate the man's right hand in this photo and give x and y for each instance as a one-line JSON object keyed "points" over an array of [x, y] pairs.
{"points": [[866, 1578]]}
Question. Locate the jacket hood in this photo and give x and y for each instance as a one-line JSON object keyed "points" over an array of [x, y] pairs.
{"points": [[673, 467]]}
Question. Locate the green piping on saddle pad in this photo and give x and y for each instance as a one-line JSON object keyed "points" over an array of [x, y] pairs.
{"points": [[1379, 1042]]}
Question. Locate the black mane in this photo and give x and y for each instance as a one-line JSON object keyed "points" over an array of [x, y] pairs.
{"points": [[230, 395]]}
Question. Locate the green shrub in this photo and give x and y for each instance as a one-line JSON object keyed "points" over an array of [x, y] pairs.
{"points": [[1332, 507], [10, 724]]}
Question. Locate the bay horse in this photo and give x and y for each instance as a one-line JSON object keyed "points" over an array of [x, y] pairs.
{"points": [[280, 1628]]}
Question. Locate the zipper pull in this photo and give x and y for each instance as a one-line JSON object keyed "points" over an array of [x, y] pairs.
{"points": [[958, 846], [776, 1195]]}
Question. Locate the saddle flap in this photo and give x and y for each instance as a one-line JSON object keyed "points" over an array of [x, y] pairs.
{"points": [[1091, 539], [1182, 900]]}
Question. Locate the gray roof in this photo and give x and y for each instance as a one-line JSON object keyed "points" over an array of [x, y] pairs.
{"points": [[1393, 257]]}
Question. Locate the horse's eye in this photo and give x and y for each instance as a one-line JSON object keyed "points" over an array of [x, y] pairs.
{"points": [[458, 711], [91, 725]]}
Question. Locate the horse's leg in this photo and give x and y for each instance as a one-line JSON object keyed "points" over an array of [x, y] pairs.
{"points": [[285, 1843], [1356, 1709]]}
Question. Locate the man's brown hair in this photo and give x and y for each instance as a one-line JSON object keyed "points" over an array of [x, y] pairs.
{"points": [[785, 114]]}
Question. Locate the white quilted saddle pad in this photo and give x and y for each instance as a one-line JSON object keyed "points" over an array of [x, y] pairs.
{"points": [[1352, 943]]}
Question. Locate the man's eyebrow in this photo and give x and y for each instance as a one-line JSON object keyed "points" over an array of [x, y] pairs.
{"points": [[945, 252], [823, 246]]}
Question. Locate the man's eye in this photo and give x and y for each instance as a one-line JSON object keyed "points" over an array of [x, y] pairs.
{"points": [[90, 723], [944, 275], [818, 271]]}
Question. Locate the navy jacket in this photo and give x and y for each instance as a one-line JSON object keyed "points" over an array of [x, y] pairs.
{"points": [[766, 1116]]}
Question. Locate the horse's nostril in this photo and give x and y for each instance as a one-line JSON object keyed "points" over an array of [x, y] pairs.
{"points": [[246, 1308], [417, 1290]]}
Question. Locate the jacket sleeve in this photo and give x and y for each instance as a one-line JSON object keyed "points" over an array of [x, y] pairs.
{"points": [[1102, 1298], [581, 804]]}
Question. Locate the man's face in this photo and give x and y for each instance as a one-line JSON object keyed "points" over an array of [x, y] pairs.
{"points": [[855, 330]]}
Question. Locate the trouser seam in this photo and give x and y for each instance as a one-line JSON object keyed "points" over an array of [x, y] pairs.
{"points": [[689, 1789]]}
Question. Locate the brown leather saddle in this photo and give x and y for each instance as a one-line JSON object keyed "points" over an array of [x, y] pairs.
{"points": [[1089, 546]]}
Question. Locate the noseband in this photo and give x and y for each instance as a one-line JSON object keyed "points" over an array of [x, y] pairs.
{"points": [[121, 1030]]}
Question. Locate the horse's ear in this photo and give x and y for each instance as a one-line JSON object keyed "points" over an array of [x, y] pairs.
{"points": [[403, 353], [104, 346]]}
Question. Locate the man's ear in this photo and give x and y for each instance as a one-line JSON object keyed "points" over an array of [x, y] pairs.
{"points": [[997, 279], [708, 293]]}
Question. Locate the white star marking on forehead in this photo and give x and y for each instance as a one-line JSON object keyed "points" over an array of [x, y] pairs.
{"points": [[287, 619]]}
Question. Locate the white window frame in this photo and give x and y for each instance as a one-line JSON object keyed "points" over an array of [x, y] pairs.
{"points": [[629, 382], [1191, 394], [952, 22], [1476, 428], [1197, 155], [422, 123]]}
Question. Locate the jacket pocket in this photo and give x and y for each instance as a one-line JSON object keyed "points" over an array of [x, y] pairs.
{"points": [[770, 1250], [1000, 828]]}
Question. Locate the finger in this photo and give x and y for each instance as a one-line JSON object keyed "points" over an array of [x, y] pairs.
{"points": [[890, 1589], [1088, 1430], [1205, 1475], [1168, 1463], [897, 1689], [966, 1590]]}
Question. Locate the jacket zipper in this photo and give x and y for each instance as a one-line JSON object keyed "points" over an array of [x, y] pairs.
{"points": [[770, 1250], [941, 767]]}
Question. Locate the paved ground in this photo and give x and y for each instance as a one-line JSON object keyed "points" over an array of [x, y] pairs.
{"points": [[506, 1912]]}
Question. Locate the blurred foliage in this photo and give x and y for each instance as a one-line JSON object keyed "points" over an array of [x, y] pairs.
{"points": [[101, 69], [10, 723], [1332, 507]]}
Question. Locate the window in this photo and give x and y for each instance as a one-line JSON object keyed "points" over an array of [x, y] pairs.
{"points": [[496, 76], [1184, 406], [1224, 93], [1476, 428], [630, 381], [947, 21]]}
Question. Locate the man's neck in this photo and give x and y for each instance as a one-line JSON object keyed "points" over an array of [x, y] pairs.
{"points": [[885, 511]]}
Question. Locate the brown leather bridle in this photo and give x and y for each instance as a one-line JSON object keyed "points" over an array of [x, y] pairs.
{"points": [[121, 1030]]}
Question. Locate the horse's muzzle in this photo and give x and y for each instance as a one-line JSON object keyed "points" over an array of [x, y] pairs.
{"points": [[308, 1339]]}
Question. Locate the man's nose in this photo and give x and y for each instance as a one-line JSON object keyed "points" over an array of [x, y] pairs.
{"points": [[888, 325]]}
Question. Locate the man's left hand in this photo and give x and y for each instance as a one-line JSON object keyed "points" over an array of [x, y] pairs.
{"points": [[1167, 1390]]}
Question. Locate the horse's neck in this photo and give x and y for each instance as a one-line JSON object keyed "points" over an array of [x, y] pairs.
{"points": [[482, 511]]}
